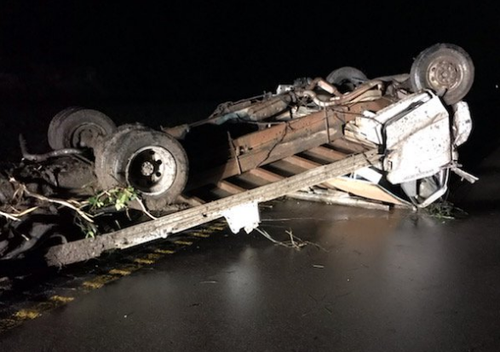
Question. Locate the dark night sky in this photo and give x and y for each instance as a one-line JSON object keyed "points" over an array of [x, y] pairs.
{"points": [[215, 50], [152, 61]]}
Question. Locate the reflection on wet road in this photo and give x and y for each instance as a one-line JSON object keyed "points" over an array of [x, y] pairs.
{"points": [[380, 282]]}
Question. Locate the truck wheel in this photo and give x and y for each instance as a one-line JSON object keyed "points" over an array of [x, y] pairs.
{"points": [[445, 68], [349, 77], [152, 162], [77, 127]]}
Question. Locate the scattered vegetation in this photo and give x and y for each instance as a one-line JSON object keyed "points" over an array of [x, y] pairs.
{"points": [[85, 211], [445, 210], [294, 242], [118, 197]]}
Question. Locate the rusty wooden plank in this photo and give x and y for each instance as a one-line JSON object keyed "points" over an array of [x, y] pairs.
{"points": [[284, 169], [272, 144], [337, 197], [305, 164], [257, 158], [229, 187], [266, 175], [284, 132], [347, 147], [364, 189], [301, 162], [326, 154]]}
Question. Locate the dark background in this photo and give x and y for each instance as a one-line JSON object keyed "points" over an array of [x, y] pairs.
{"points": [[165, 62], [419, 285]]}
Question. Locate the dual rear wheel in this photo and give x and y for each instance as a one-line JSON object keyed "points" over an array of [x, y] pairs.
{"points": [[152, 162]]}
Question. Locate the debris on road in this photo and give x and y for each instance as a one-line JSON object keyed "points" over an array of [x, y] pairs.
{"points": [[331, 196]]}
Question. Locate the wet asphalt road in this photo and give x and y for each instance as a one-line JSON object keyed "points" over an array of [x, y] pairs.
{"points": [[381, 282]]}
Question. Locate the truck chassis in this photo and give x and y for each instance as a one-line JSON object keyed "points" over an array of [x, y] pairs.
{"points": [[393, 140]]}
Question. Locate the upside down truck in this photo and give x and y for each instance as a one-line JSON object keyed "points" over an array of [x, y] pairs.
{"points": [[391, 139]]}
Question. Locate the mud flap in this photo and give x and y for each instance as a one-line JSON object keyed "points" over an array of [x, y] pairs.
{"points": [[244, 216]]}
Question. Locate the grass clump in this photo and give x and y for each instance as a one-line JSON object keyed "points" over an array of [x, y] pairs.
{"points": [[445, 210]]}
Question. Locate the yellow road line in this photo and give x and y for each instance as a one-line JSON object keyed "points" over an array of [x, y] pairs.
{"points": [[26, 314], [218, 227], [99, 281], [55, 301], [153, 256], [206, 230], [126, 268], [164, 251], [182, 242], [61, 299], [144, 261], [199, 234], [120, 272], [7, 324], [149, 259], [34, 312]]}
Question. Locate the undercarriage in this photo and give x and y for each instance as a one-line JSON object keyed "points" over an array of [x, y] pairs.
{"points": [[392, 140]]}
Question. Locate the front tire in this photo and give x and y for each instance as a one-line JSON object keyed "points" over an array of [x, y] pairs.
{"points": [[445, 68]]}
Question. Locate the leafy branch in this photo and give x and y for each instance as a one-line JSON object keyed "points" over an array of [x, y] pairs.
{"points": [[85, 210], [118, 197]]}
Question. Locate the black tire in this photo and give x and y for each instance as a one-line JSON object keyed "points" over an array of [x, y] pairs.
{"points": [[347, 76], [445, 68], [76, 127], [152, 162]]}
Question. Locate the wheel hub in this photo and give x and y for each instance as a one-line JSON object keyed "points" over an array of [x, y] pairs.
{"points": [[147, 168], [86, 135], [444, 74], [151, 170]]}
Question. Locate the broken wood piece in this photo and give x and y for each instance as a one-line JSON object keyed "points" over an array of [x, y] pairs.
{"points": [[336, 197]]}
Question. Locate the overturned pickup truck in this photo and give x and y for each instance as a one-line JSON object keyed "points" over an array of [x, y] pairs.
{"points": [[392, 139]]}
